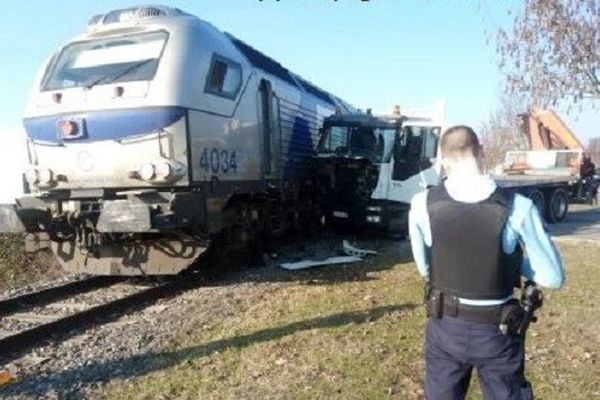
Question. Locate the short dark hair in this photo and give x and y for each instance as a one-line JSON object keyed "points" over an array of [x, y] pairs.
{"points": [[459, 141]]}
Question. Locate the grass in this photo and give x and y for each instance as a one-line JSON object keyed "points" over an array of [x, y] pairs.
{"points": [[18, 269], [322, 337]]}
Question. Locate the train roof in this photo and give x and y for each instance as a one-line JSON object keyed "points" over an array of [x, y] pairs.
{"points": [[124, 17], [269, 65]]}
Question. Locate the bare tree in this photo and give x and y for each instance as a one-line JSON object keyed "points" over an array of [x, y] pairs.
{"points": [[552, 50], [503, 131]]}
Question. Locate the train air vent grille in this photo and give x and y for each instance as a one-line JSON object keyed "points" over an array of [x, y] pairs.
{"points": [[149, 12]]}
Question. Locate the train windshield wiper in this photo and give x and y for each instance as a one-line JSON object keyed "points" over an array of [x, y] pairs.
{"points": [[113, 77]]}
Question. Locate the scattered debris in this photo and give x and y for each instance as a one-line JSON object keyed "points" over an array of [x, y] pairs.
{"points": [[292, 266], [351, 253], [351, 250]]}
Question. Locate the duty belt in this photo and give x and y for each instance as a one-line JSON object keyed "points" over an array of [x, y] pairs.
{"points": [[513, 317], [439, 304], [470, 313]]}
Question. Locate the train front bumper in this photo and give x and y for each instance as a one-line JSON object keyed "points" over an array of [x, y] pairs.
{"points": [[144, 234], [115, 216]]}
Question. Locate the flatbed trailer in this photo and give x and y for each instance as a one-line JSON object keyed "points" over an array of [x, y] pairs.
{"points": [[550, 194], [547, 177]]}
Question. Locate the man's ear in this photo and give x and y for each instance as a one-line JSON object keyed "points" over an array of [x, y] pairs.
{"points": [[481, 162], [446, 164]]}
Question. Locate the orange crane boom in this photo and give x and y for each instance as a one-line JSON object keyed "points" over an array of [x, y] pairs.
{"points": [[546, 131]]}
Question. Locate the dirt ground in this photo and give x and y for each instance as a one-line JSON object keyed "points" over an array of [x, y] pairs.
{"points": [[356, 332], [338, 332], [18, 269]]}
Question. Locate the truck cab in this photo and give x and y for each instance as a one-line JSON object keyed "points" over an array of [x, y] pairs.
{"points": [[370, 167]]}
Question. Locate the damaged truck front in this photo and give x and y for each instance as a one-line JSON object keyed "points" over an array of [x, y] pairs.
{"points": [[370, 167]]}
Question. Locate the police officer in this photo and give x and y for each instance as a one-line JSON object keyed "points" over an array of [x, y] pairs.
{"points": [[462, 233]]}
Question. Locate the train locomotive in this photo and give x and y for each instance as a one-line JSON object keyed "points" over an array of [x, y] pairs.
{"points": [[154, 135]]}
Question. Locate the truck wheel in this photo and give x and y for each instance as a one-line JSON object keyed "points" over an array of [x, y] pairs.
{"points": [[538, 199], [558, 205]]}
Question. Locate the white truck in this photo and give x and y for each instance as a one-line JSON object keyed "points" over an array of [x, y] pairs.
{"points": [[370, 167]]}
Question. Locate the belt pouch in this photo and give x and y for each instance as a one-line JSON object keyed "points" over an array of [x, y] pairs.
{"points": [[434, 306]]}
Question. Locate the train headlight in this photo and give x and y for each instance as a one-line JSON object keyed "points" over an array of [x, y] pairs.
{"points": [[147, 171], [163, 170], [45, 177], [159, 171], [31, 176]]}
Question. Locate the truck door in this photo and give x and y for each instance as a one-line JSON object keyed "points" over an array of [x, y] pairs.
{"points": [[412, 158], [408, 151], [430, 146]]}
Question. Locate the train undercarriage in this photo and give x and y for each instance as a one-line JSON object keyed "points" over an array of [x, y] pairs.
{"points": [[151, 232]]}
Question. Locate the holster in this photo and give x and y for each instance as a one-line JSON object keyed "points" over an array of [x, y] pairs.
{"points": [[516, 315], [511, 317]]}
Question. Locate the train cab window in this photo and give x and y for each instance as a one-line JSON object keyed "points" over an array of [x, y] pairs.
{"points": [[224, 78], [103, 61]]}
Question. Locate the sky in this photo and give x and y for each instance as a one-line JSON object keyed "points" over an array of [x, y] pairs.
{"points": [[373, 54]]}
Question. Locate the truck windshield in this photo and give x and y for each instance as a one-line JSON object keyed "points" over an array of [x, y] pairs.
{"points": [[102, 61], [361, 141]]}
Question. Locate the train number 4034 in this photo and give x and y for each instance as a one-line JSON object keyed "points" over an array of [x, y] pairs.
{"points": [[218, 160]]}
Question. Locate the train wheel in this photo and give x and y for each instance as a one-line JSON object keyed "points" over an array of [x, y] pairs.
{"points": [[558, 205], [538, 199]]}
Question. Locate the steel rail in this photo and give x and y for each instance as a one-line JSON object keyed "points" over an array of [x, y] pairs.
{"points": [[13, 346], [44, 297]]}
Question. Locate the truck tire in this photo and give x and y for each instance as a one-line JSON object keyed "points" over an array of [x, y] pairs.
{"points": [[538, 199], [558, 206]]}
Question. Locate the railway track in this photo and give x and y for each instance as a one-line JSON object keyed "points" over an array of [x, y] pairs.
{"points": [[41, 297], [33, 319]]}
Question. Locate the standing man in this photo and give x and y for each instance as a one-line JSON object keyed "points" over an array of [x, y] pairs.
{"points": [[589, 186], [587, 168], [462, 235]]}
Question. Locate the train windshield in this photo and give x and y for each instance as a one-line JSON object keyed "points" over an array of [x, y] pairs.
{"points": [[361, 141], [103, 61]]}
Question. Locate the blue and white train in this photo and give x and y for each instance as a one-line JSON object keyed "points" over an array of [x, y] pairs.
{"points": [[153, 134]]}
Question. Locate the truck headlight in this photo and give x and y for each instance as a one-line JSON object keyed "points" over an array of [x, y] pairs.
{"points": [[375, 219], [147, 171]]}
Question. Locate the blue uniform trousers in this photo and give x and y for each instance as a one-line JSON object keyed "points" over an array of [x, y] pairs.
{"points": [[453, 347]]}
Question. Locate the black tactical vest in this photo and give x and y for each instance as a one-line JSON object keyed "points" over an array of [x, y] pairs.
{"points": [[466, 257]]}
